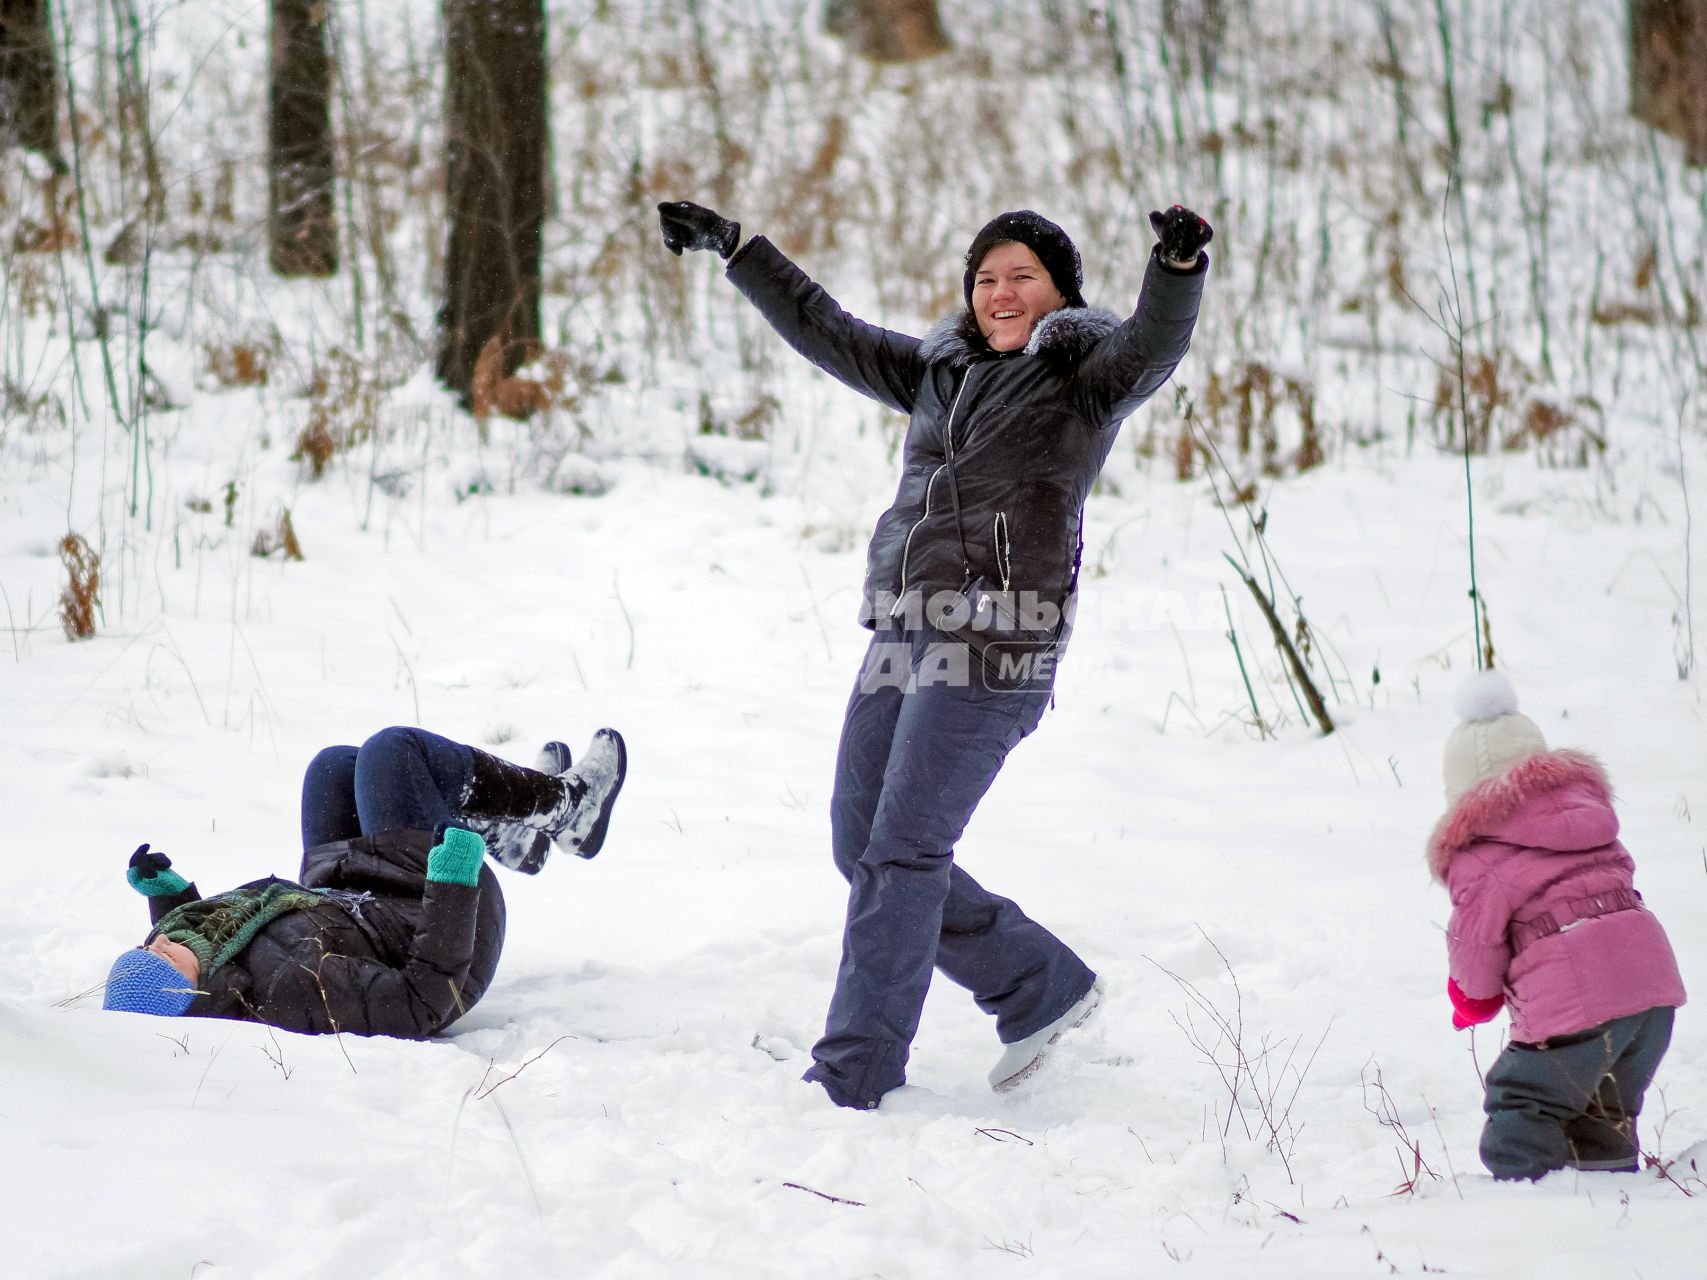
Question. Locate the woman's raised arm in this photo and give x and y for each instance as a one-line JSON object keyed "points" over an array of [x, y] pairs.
{"points": [[1131, 364], [875, 362]]}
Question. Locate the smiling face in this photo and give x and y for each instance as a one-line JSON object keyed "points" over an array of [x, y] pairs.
{"points": [[1011, 292]]}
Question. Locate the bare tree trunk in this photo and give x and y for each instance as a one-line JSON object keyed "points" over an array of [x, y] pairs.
{"points": [[496, 139], [1668, 70], [302, 223], [29, 80], [888, 30]]}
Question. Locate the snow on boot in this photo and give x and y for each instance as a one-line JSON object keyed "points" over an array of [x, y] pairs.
{"points": [[1021, 1058], [511, 844], [522, 812], [554, 758], [515, 810], [599, 775]]}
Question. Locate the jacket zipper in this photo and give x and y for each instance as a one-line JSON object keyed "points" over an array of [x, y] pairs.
{"points": [[907, 546]]}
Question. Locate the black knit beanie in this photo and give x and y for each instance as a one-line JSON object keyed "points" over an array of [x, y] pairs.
{"points": [[1051, 245]]}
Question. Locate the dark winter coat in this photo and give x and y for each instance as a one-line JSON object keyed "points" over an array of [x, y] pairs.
{"points": [[1030, 429], [389, 953]]}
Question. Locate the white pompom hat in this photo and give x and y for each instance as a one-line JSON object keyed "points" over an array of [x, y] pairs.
{"points": [[1493, 736]]}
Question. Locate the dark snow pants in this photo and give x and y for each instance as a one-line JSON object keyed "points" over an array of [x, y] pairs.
{"points": [[921, 744], [1573, 1101], [369, 818], [400, 779]]}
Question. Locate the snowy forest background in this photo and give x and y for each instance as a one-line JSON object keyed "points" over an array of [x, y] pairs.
{"points": [[1444, 247]]}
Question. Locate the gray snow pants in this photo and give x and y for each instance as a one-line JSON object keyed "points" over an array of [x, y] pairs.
{"points": [[1572, 1101], [922, 741]]}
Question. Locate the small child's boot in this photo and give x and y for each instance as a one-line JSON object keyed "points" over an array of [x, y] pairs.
{"points": [[520, 812]]}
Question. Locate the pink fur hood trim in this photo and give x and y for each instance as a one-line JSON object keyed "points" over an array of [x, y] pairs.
{"points": [[1493, 801]]}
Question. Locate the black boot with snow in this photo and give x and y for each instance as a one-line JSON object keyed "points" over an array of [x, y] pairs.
{"points": [[505, 804], [520, 812]]}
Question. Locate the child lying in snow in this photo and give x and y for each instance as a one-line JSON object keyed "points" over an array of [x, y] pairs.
{"points": [[397, 924], [1546, 922]]}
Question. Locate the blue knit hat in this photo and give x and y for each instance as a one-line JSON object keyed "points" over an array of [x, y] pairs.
{"points": [[142, 982]]}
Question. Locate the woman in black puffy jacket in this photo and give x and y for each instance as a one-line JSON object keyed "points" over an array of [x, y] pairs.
{"points": [[395, 924], [1013, 406]]}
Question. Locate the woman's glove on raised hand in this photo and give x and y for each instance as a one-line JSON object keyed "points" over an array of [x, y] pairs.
{"points": [[1182, 233], [692, 226]]}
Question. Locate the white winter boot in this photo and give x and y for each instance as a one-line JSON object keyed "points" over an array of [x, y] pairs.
{"points": [[1021, 1058]]}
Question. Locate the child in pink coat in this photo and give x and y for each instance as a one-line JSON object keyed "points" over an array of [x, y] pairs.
{"points": [[1547, 923]]}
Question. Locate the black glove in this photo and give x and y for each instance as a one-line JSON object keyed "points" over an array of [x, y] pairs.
{"points": [[1182, 233], [151, 874], [147, 865], [693, 226]]}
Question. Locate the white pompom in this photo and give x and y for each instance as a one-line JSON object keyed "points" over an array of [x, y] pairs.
{"points": [[1487, 695]]}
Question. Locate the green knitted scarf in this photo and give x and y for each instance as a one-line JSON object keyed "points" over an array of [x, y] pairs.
{"points": [[217, 928]]}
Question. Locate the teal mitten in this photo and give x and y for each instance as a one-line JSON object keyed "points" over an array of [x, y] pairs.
{"points": [[456, 858], [151, 874]]}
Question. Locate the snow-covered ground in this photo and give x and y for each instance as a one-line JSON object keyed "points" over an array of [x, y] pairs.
{"points": [[625, 1102]]}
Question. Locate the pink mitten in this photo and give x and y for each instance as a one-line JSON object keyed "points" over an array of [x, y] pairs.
{"points": [[1468, 1011]]}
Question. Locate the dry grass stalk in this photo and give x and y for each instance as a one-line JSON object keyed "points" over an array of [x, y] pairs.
{"points": [[242, 364], [1412, 1167], [316, 445], [752, 423], [280, 538], [82, 594], [893, 31], [1254, 395], [55, 234], [1488, 387], [343, 406], [492, 391], [1486, 639], [1185, 454], [1283, 642], [1258, 1089]]}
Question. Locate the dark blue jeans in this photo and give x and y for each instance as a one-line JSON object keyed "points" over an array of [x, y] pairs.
{"points": [[920, 746], [399, 779], [1574, 1100]]}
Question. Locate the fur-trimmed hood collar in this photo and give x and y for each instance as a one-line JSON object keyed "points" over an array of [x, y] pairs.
{"points": [[1067, 335], [1486, 808]]}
